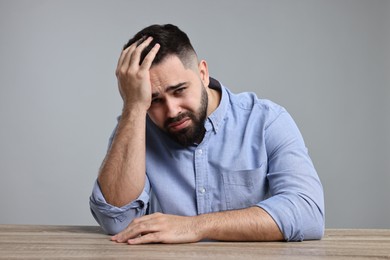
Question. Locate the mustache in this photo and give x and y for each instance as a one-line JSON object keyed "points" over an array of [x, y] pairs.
{"points": [[177, 119]]}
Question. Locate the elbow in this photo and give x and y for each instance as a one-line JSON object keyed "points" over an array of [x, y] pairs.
{"points": [[112, 229], [110, 225], [319, 231], [113, 219], [314, 226], [309, 223], [316, 232], [310, 229]]}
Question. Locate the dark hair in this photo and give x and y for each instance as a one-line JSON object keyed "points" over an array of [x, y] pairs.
{"points": [[172, 40]]}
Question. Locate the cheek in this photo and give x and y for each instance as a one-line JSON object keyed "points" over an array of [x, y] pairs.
{"points": [[192, 101]]}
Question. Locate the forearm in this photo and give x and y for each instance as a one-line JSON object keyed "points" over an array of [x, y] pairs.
{"points": [[250, 224], [122, 174]]}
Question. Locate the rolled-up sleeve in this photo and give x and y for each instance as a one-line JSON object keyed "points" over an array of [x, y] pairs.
{"points": [[113, 219], [297, 201]]}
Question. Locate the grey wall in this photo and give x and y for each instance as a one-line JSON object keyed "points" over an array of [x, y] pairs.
{"points": [[327, 62]]}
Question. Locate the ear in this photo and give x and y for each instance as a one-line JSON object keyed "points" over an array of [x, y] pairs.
{"points": [[204, 73]]}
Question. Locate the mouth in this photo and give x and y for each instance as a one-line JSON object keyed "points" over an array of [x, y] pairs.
{"points": [[179, 125]]}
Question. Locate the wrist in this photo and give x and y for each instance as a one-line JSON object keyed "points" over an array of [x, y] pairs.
{"points": [[202, 226], [134, 109]]}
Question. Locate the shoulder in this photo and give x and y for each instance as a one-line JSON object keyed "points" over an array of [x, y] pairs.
{"points": [[249, 101]]}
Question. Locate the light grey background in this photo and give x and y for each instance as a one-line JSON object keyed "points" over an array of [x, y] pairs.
{"points": [[327, 62]]}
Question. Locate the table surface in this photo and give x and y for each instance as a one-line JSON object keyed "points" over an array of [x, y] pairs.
{"points": [[64, 242]]}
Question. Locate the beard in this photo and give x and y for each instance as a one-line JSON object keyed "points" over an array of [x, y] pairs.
{"points": [[194, 133]]}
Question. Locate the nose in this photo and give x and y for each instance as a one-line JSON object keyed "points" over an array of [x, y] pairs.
{"points": [[173, 108]]}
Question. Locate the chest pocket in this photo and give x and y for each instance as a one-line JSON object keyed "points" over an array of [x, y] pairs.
{"points": [[244, 188]]}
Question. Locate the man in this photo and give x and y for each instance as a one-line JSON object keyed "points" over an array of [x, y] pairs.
{"points": [[191, 161]]}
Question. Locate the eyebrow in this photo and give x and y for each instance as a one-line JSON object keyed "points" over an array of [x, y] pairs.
{"points": [[169, 88]]}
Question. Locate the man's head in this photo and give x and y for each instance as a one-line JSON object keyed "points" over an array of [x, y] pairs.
{"points": [[179, 82], [172, 40]]}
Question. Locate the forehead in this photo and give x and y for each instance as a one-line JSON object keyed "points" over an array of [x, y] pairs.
{"points": [[170, 71]]}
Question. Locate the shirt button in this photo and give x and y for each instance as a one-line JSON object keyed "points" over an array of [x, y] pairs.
{"points": [[202, 190], [200, 151]]}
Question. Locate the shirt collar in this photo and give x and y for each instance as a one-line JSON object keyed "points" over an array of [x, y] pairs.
{"points": [[217, 117]]}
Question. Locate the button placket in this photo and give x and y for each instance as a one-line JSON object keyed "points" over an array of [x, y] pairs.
{"points": [[201, 179]]}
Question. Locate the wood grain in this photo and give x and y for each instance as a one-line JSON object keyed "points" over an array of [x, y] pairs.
{"points": [[88, 242]]}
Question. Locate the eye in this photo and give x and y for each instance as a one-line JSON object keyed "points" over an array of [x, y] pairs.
{"points": [[156, 100], [179, 91]]}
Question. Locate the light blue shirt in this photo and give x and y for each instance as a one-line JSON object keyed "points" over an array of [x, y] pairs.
{"points": [[252, 154]]}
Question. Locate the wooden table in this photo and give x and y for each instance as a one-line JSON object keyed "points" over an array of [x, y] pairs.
{"points": [[60, 242]]}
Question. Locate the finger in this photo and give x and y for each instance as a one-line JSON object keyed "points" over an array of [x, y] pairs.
{"points": [[122, 56], [121, 238], [126, 234], [126, 54], [141, 226], [145, 239], [136, 55], [147, 62], [124, 61]]}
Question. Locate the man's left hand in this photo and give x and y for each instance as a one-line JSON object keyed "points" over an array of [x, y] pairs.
{"points": [[160, 228]]}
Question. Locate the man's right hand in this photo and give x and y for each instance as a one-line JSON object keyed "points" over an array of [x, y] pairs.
{"points": [[133, 77]]}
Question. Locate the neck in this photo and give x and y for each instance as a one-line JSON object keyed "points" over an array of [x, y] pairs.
{"points": [[214, 97]]}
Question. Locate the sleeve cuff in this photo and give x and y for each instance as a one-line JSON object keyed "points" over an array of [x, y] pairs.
{"points": [[114, 219], [286, 210]]}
